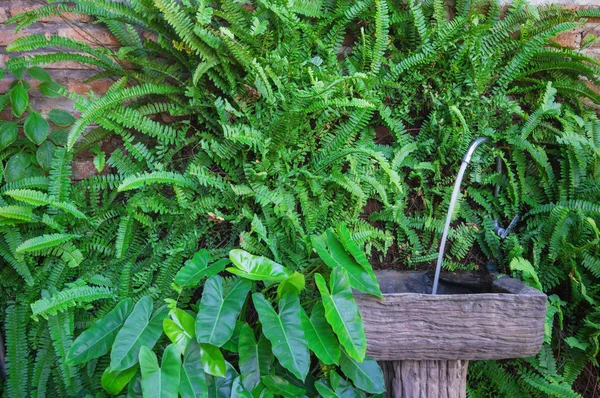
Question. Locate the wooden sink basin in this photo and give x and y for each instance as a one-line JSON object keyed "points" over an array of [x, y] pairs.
{"points": [[470, 318]]}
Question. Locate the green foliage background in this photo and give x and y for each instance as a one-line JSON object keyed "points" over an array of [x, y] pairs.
{"points": [[285, 119]]}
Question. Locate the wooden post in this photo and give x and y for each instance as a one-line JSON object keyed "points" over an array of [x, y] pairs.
{"points": [[425, 379]]}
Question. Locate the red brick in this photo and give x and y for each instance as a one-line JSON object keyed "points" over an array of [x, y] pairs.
{"points": [[3, 15], [569, 39], [82, 169]]}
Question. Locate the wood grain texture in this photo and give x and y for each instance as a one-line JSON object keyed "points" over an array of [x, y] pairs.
{"points": [[425, 379], [507, 323]]}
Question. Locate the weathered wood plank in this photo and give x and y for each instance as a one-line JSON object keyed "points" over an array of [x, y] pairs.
{"points": [[415, 326]]}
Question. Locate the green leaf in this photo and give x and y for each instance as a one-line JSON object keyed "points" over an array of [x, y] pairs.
{"points": [[43, 242], [220, 387], [44, 154], [238, 390], [325, 390], [61, 118], [233, 342], [352, 248], [530, 276], [2, 73], [97, 340], [193, 378], [163, 381], [51, 89], [39, 74], [320, 336], [16, 212], [59, 137], [212, 360], [180, 328], [17, 167], [284, 330], [140, 329], [16, 69], [366, 375], [114, 381], [255, 358], [293, 283], [333, 253], [342, 387], [342, 313], [280, 386], [219, 308], [36, 128], [99, 161], [196, 269], [19, 99], [8, 133], [256, 268]]}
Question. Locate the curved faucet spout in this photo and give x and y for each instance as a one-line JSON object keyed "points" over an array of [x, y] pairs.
{"points": [[465, 162]]}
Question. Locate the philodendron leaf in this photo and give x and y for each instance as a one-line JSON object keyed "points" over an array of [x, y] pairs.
{"points": [[220, 387], [196, 269], [36, 128], [192, 382], [255, 358], [97, 340], [320, 336], [293, 283], [325, 390], [284, 330], [352, 248], [366, 375], [342, 312], [332, 252], [238, 390], [180, 328], [212, 360], [281, 387], [141, 329], [160, 381], [343, 387], [114, 381], [219, 308], [256, 268]]}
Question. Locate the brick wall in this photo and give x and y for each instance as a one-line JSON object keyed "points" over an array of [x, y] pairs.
{"points": [[72, 75]]}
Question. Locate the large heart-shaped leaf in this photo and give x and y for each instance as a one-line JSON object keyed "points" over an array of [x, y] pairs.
{"points": [[140, 329], [220, 387], [36, 128], [256, 268], [342, 312], [212, 360], [114, 381], [284, 330], [281, 387], [293, 283], [193, 378], [255, 358], [320, 336], [366, 375], [238, 390], [219, 308], [196, 269], [180, 328], [160, 381], [333, 253], [97, 340]]}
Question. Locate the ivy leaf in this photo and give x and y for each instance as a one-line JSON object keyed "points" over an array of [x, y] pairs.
{"points": [[36, 128], [51, 89], [39, 74], [256, 268], [212, 360], [163, 381], [97, 340], [19, 99], [114, 381], [366, 375], [44, 154], [333, 253], [8, 134], [284, 330], [219, 308], [140, 329], [255, 358], [342, 312], [320, 336], [61, 118], [193, 378], [280, 386], [196, 269]]}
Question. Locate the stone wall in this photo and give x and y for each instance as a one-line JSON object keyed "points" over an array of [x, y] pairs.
{"points": [[72, 75]]}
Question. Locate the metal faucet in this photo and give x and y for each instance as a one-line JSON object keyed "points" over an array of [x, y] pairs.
{"points": [[501, 232]]}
